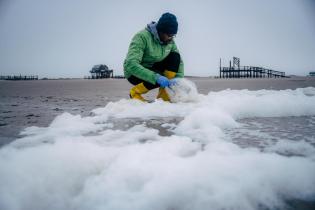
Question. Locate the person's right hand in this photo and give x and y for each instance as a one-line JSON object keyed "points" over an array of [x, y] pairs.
{"points": [[163, 81]]}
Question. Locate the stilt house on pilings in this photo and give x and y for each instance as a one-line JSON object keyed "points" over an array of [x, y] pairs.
{"points": [[238, 71], [101, 71]]}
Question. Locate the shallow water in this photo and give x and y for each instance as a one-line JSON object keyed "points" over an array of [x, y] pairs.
{"points": [[263, 132]]}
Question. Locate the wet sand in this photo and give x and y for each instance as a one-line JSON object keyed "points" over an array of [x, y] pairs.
{"points": [[37, 103]]}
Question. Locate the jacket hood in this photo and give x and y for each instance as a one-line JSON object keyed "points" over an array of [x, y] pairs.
{"points": [[151, 27]]}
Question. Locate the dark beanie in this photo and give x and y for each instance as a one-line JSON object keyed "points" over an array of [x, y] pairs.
{"points": [[167, 24]]}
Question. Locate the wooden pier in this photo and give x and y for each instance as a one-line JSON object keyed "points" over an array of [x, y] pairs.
{"points": [[19, 77], [237, 71]]}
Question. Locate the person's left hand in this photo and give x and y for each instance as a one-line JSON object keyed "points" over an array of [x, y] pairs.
{"points": [[163, 81]]}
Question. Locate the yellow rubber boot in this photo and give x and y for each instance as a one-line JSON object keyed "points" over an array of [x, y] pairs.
{"points": [[162, 92], [163, 95], [136, 91], [169, 74]]}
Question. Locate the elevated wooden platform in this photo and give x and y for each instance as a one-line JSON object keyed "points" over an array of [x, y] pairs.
{"points": [[237, 71], [249, 72], [20, 77]]}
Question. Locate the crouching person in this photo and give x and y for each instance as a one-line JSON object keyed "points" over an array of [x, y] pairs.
{"points": [[153, 59]]}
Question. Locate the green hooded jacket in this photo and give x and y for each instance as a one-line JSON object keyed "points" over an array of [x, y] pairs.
{"points": [[146, 49]]}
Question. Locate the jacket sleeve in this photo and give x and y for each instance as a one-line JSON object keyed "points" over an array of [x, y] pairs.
{"points": [[132, 63], [180, 72]]}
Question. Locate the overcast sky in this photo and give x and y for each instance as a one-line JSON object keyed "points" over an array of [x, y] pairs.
{"points": [[65, 38]]}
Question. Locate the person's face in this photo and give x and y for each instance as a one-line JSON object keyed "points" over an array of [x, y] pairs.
{"points": [[166, 38]]}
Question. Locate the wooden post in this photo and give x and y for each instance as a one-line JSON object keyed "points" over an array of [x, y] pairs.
{"points": [[220, 68]]}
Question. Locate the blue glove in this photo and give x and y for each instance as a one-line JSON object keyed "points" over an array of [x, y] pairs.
{"points": [[163, 81]]}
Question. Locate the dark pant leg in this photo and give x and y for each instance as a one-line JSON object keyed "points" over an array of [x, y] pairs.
{"points": [[135, 81], [170, 63]]}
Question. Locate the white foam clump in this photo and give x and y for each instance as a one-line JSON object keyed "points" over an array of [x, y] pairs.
{"points": [[84, 163], [183, 91], [293, 148], [264, 103]]}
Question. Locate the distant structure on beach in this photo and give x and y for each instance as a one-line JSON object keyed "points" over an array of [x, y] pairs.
{"points": [[101, 71], [312, 74], [19, 77], [238, 71]]}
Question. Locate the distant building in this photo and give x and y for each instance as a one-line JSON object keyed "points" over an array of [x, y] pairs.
{"points": [[101, 71], [312, 74]]}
